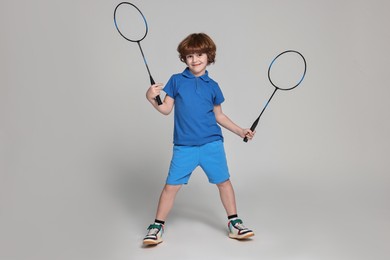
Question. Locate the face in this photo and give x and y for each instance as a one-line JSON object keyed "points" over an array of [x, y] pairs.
{"points": [[197, 63]]}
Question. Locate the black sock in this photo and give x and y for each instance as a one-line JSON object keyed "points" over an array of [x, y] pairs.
{"points": [[159, 221], [232, 216]]}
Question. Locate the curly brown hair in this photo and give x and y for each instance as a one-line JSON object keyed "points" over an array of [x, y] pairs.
{"points": [[197, 43]]}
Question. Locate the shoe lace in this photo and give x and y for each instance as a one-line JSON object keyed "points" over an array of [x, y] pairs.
{"points": [[238, 224], [153, 229]]}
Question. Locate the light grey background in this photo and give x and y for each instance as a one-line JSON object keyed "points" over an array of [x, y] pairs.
{"points": [[83, 155]]}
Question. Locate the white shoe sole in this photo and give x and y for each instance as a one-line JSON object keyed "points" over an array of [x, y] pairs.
{"points": [[152, 242], [244, 236]]}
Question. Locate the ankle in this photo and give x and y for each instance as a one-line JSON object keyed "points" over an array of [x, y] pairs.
{"points": [[232, 217], [158, 221]]}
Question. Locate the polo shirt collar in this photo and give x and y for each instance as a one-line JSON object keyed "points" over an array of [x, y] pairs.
{"points": [[188, 74]]}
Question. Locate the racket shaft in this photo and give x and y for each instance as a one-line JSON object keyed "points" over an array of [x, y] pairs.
{"points": [[158, 99], [254, 125]]}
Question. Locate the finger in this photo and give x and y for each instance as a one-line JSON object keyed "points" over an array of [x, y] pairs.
{"points": [[250, 135], [158, 85]]}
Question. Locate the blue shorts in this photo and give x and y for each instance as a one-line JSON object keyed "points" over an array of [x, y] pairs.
{"points": [[210, 157]]}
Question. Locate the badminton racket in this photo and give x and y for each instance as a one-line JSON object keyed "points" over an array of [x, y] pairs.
{"points": [[285, 72], [132, 25]]}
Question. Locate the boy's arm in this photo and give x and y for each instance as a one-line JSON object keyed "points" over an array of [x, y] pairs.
{"points": [[227, 123], [166, 107]]}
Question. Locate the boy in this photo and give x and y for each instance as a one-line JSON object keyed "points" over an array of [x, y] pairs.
{"points": [[198, 139]]}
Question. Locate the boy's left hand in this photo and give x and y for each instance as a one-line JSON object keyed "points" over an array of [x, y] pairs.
{"points": [[248, 133]]}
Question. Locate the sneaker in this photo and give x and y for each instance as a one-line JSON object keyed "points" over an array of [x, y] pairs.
{"points": [[238, 231], [154, 235]]}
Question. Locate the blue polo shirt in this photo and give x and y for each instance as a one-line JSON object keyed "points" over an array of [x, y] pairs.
{"points": [[195, 98]]}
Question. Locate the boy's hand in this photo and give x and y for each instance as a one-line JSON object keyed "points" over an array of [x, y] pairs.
{"points": [[248, 134], [154, 91]]}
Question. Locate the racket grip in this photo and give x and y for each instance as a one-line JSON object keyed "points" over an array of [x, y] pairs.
{"points": [[158, 99], [253, 127]]}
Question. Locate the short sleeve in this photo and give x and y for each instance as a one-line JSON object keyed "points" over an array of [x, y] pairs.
{"points": [[170, 88], [219, 98]]}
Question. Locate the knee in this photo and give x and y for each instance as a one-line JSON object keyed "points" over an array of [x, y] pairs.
{"points": [[171, 188], [224, 184]]}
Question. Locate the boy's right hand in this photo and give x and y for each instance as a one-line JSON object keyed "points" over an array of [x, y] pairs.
{"points": [[154, 91]]}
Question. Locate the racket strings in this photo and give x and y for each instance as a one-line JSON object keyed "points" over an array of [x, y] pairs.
{"points": [[287, 70], [130, 22]]}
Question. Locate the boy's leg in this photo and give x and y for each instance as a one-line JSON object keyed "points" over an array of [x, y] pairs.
{"points": [[226, 192], [237, 229], [167, 198]]}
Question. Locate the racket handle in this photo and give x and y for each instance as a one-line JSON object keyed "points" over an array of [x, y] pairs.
{"points": [[158, 99], [253, 127]]}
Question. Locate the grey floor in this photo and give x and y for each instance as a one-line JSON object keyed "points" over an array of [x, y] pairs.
{"points": [[295, 222], [102, 213]]}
